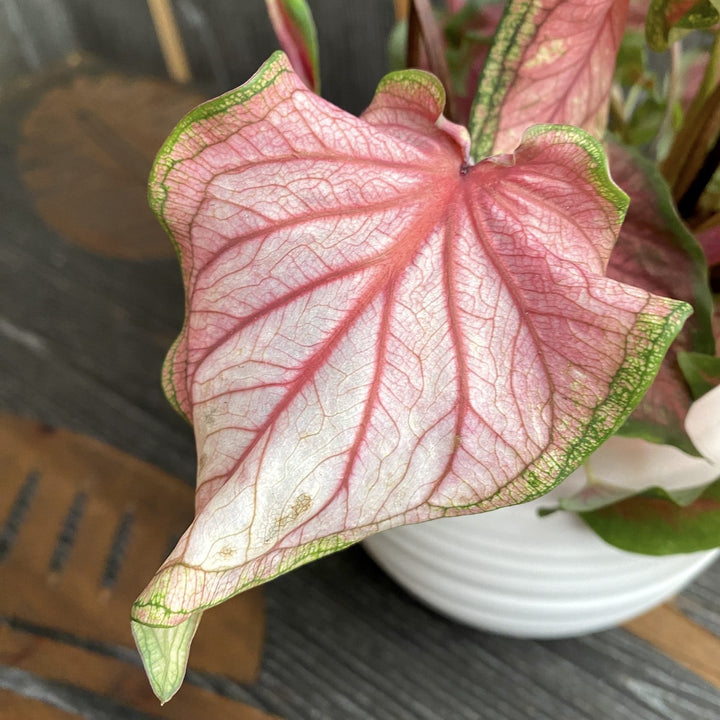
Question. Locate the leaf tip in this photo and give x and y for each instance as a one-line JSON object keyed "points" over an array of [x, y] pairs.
{"points": [[164, 652]]}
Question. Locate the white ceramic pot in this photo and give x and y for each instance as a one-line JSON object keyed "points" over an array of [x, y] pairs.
{"points": [[514, 573]]}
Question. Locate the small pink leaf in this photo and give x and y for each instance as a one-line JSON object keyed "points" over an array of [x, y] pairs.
{"points": [[378, 333], [656, 252], [294, 26], [552, 61]]}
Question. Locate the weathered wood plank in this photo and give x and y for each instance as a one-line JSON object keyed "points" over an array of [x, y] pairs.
{"points": [[18, 707], [225, 40], [74, 323], [681, 639], [341, 612], [33, 34], [94, 525], [110, 677]]}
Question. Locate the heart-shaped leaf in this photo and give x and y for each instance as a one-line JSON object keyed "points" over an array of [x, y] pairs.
{"points": [[552, 61], [377, 332], [656, 252]]}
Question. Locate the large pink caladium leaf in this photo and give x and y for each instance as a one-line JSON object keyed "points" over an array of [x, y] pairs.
{"points": [[552, 61], [377, 332], [656, 252]]}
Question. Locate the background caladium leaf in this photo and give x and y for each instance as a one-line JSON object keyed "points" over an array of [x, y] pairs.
{"points": [[666, 15], [294, 27], [651, 498], [710, 242], [552, 61], [702, 372], [467, 32], [661, 522], [378, 333], [626, 467], [656, 252]]}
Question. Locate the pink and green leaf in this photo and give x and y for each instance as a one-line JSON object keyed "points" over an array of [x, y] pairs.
{"points": [[710, 242], [652, 498], [661, 522], [655, 251], [702, 372], [378, 332], [552, 61], [664, 16], [294, 27]]}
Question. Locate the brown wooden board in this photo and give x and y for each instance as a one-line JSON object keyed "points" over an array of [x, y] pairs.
{"points": [[85, 158], [18, 707], [85, 528], [686, 642], [120, 681]]}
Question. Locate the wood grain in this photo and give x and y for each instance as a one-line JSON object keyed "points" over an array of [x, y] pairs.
{"points": [[55, 468], [681, 639], [119, 681], [18, 707]]}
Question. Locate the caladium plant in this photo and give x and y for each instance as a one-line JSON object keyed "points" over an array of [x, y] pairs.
{"points": [[393, 318]]}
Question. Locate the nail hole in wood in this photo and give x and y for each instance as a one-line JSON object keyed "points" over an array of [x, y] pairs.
{"points": [[18, 511], [118, 550], [68, 532]]}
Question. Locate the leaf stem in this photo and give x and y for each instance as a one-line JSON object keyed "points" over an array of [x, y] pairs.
{"points": [[689, 200], [688, 152], [712, 70], [674, 94], [422, 25]]}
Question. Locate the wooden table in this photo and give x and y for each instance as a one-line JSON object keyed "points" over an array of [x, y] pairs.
{"points": [[90, 300]]}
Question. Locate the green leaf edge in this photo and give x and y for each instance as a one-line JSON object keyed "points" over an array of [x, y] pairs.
{"points": [[702, 339], [501, 64], [276, 65], [413, 76]]}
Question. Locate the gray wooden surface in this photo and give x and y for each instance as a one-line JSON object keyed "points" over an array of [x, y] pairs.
{"points": [[226, 40], [82, 339]]}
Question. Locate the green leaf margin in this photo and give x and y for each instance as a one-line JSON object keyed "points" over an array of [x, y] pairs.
{"points": [[164, 653], [702, 340], [516, 27], [276, 65]]}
